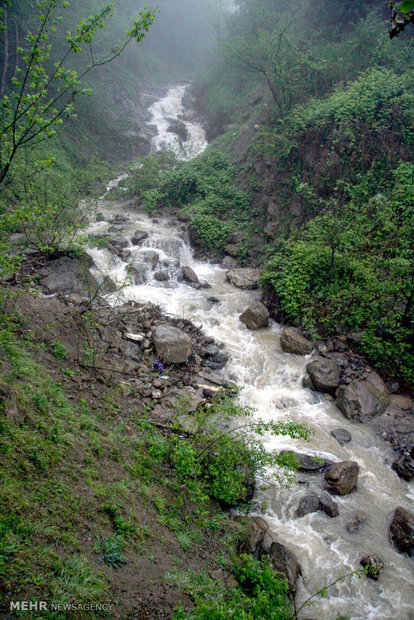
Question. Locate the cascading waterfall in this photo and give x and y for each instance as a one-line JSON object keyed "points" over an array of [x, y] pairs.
{"points": [[272, 384]]}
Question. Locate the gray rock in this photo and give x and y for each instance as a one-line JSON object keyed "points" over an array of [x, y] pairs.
{"points": [[69, 275], [357, 522], [139, 235], [139, 272], [213, 300], [372, 565], [328, 506], [256, 316], [325, 375], [306, 462], [396, 426], [292, 341], [254, 534], [117, 244], [342, 478], [162, 275], [229, 263], [189, 275], [150, 256], [341, 435], [309, 503], [402, 531], [363, 400], [285, 563], [171, 344], [216, 362], [246, 278]]}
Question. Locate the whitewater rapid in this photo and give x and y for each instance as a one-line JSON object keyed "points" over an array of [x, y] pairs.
{"points": [[272, 384]]}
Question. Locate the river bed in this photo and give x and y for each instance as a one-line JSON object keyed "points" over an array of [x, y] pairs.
{"points": [[272, 384]]}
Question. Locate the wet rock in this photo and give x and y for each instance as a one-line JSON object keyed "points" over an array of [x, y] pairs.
{"points": [[325, 375], [245, 278], [204, 284], [216, 362], [189, 275], [357, 522], [402, 531], [211, 350], [396, 426], [306, 462], [342, 478], [139, 272], [117, 244], [150, 256], [171, 344], [328, 506], [372, 565], [254, 534], [69, 275], [285, 563], [213, 300], [341, 435], [179, 128], [161, 276], [138, 237], [229, 263], [256, 316], [292, 341], [309, 503], [363, 400]]}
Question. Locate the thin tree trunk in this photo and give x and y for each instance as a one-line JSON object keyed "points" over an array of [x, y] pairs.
{"points": [[6, 54]]}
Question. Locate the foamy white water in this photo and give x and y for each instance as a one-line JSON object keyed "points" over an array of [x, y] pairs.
{"points": [[272, 382]]}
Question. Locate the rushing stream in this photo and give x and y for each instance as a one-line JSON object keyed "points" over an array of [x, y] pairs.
{"points": [[272, 383]]}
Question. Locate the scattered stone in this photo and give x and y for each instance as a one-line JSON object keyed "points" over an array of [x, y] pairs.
{"points": [[134, 337], [161, 276], [372, 566], [341, 435], [216, 362], [325, 375], [171, 344], [355, 524], [309, 503], [256, 316], [244, 278], [363, 400], [342, 478], [189, 275], [328, 506], [292, 341], [139, 235], [402, 531]]}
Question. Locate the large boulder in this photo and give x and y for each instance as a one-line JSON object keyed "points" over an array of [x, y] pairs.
{"points": [[68, 275], [254, 534], [327, 504], [255, 316], [139, 272], [307, 504], [342, 477], [245, 278], [190, 275], [362, 400], [285, 563], [325, 375], [150, 256], [292, 341], [138, 237], [171, 344], [396, 426], [402, 531], [341, 435]]}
